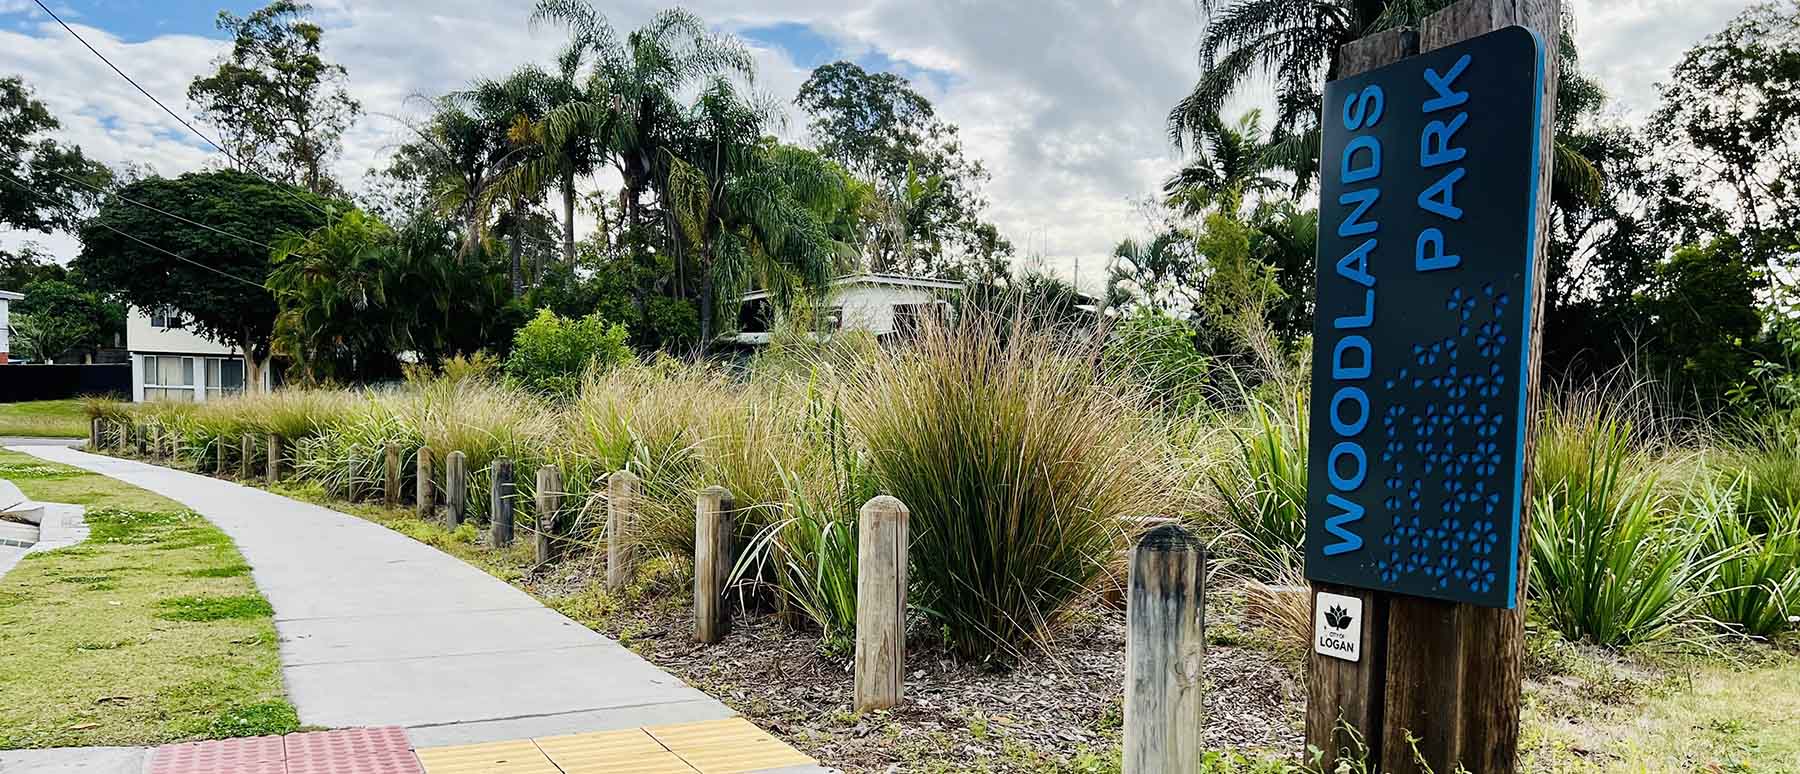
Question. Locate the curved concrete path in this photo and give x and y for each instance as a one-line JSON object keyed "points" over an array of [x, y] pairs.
{"points": [[379, 629]]}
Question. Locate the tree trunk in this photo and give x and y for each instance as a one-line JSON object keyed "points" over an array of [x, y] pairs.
{"points": [[518, 243], [568, 192], [706, 307]]}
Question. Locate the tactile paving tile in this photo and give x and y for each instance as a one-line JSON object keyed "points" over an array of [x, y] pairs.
{"points": [[518, 757], [253, 755], [383, 750], [729, 746], [611, 752]]}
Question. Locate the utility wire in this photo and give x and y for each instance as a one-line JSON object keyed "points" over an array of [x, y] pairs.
{"points": [[109, 227], [159, 211], [173, 114]]}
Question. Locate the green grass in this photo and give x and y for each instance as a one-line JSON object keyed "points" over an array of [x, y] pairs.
{"points": [[44, 419], [1720, 719], [149, 632]]}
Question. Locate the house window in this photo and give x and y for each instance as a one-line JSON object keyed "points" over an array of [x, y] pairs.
{"points": [[168, 378], [909, 317], [166, 318], [224, 376]]}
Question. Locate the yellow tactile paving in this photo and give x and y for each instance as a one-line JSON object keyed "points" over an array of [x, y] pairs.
{"points": [[729, 746], [611, 752], [517, 757]]}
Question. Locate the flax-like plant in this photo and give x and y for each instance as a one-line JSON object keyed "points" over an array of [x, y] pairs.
{"points": [[1020, 462], [1262, 488], [1757, 588], [1610, 563]]}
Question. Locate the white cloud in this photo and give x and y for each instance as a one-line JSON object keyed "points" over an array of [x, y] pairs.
{"points": [[1064, 101]]}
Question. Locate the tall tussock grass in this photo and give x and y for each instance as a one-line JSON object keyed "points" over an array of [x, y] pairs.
{"points": [[1021, 464]]}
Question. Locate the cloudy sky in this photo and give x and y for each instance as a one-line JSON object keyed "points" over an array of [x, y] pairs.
{"points": [[1062, 99]]}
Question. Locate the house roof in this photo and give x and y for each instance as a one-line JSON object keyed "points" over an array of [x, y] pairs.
{"points": [[871, 278], [11, 296]]}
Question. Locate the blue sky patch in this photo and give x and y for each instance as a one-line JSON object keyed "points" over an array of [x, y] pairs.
{"points": [[809, 49], [135, 21]]}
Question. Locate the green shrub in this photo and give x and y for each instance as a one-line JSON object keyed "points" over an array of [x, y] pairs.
{"points": [[1158, 351], [1609, 563], [551, 352], [1020, 464], [1757, 588]]}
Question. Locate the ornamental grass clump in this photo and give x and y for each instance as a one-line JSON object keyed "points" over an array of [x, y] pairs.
{"points": [[1022, 464]]}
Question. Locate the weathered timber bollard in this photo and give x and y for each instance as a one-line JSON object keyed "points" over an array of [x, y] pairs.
{"points": [[142, 437], [713, 532], [881, 603], [500, 516], [424, 499], [154, 441], [549, 503], [274, 461], [456, 489], [621, 506], [94, 429], [390, 484], [247, 457], [1165, 652], [219, 457]]}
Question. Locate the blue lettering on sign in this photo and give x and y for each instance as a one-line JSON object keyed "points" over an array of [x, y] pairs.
{"points": [[1360, 163]]}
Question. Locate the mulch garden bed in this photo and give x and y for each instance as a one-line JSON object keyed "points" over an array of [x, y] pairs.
{"points": [[1050, 713]]}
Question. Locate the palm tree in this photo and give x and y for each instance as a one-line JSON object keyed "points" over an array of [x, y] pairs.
{"points": [[512, 109], [1296, 44], [630, 101], [1233, 165], [747, 207]]}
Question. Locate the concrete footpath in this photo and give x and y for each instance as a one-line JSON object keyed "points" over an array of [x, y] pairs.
{"points": [[380, 630]]}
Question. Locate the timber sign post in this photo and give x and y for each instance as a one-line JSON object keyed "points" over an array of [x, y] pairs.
{"points": [[1433, 190]]}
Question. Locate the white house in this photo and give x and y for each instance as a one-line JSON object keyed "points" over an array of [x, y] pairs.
{"points": [[6, 298], [169, 362], [882, 304]]}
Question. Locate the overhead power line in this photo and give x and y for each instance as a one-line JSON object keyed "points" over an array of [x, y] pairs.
{"points": [[109, 227], [173, 114], [162, 212]]}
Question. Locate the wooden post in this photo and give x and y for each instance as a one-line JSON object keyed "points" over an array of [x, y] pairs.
{"points": [[456, 488], [714, 530], [247, 456], [501, 514], [424, 499], [621, 506], [274, 461], [1165, 653], [1445, 673], [881, 603], [219, 447], [155, 442], [141, 438], [390, 484], [549, 504], [93, 443]]}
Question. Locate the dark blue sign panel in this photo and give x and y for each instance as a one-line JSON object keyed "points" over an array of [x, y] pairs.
{"points": [[1426, 236]]}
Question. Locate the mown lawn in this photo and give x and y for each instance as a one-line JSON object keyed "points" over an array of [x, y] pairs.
{"points": [[44, 419], [150, 632]]}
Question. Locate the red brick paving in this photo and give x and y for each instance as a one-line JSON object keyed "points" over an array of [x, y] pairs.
{"points": [[383, 750]]}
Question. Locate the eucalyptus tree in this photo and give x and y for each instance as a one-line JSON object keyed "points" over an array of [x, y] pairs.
{"points": [[282, 106]]}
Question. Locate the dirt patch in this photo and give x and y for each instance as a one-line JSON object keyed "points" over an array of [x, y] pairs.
{"points": [[1059, 711]]}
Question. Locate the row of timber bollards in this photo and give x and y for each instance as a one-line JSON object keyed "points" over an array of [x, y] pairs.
{"points": [[1165, 643]]}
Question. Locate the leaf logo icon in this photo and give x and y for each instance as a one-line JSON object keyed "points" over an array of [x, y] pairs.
{"points": [[1337, 618]]}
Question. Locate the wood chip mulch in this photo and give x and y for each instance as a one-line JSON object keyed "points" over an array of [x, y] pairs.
{"points": [[955, 716]]}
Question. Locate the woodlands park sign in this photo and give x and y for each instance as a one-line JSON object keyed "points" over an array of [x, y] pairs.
{"points": [[1429, 179]]}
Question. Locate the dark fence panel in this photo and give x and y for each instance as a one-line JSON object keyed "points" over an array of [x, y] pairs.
{"points": [[19, 383]]}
